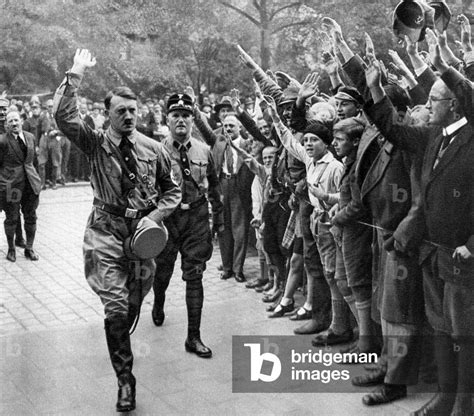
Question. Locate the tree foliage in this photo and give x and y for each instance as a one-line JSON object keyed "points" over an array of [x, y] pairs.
{"points": [[160, 46]]}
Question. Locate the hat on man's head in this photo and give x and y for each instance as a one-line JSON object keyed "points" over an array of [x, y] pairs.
{"points": [[319, 130], [290, 94], [226, 101], [180, 102], [349, 94], [4, 102]]}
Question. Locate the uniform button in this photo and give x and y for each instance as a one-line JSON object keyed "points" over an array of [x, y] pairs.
{"points": [[130, 194]]}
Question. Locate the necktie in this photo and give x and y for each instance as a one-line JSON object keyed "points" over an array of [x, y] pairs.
{"points": [[125, 147], [183, 157], [22, 145], [229, 156], [446, 140]]}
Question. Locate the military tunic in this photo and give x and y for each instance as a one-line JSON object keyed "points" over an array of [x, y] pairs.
{"points": [[108, 271]]}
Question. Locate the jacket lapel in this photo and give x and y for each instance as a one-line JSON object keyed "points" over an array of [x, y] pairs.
{"points": [[449, 153], [16, 147], [377, 169]]}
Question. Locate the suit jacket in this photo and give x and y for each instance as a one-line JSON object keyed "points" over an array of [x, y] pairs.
{"points": [[15, 168], [447, 191]]}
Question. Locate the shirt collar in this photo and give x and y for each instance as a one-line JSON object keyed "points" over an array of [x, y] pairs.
{"points": [[186, 144], [117, 138], [327, 158], [454, 127]]}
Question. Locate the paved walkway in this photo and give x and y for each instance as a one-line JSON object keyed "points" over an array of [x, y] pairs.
{"points": [[53, 357]]}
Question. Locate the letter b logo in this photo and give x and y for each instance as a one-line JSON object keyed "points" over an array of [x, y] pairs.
{"points": [[256, 363]]}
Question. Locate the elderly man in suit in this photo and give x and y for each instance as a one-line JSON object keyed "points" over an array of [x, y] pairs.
{"points": [[20, 184], [446, 254], [236, 180]]}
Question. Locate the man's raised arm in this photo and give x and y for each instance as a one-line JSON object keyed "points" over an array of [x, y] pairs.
{"points": [[65, 108]]}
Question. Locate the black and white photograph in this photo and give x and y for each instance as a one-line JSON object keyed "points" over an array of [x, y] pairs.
{"points": [[237, 207]]}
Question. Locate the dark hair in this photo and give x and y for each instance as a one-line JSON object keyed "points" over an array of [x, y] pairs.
{"points": [[352, 126], [398, 96], [123, 92]]}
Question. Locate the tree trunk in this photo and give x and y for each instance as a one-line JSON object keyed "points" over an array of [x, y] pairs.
{"points": [[265, 52]]}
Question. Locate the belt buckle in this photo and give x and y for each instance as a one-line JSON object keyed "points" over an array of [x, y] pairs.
{"points": [[185, 207], [131, 213], [227, 175]]}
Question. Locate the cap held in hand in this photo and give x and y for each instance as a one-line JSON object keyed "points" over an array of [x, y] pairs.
{"points": [[147, 241]]}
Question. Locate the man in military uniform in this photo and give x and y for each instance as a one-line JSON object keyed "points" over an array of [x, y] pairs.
{"points": [[133, 188], [188, 226]]}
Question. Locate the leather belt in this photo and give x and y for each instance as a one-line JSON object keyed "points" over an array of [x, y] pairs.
{"points": [[191, 205], [122, 211]]}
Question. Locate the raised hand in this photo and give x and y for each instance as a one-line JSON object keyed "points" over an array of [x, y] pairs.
{"points": [[190, 91], [333, 28], [411, 47], [309, 86], [373, 74], [272, 108], [82, 59], [330, 65], [247, 59], [258, 91], [435, 50], [235, 100], [369, 45], [465, 33]]}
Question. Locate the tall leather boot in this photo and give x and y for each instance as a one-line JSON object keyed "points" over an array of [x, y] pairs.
{"points": [[30, 231], [160, 284], [120, 351], [11, 255], [194, 301], [19, 240], [442, 402]]}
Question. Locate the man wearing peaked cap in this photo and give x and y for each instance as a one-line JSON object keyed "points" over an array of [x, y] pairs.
{"points": [[188, 227], [348, 102]]}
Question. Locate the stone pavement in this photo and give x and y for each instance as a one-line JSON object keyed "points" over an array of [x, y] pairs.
{"points": [[53, 357]]}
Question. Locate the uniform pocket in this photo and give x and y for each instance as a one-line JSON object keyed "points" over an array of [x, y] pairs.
{"points": [[199, 169]]}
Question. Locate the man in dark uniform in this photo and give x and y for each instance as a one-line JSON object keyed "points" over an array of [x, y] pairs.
{"points": [[133, 188], [188, 226]]}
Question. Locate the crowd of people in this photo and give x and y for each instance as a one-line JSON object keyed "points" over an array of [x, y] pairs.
{"points": [[362, 195]]}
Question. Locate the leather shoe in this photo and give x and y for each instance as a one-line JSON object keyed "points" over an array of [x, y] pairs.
{"points": [[440, 404], [280, 310], [260, 289], [240, 278], [369, 379], [157, 315], [227, 275], [301, 316], [310, 327], [126, 393], [196, 346], [20, 242], [385, 394], [272, 297], [11, 255], [256, 283], [30, 254], [330, 338]]}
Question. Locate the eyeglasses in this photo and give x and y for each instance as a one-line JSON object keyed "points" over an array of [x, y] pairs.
{"points": [[434, 99]]}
